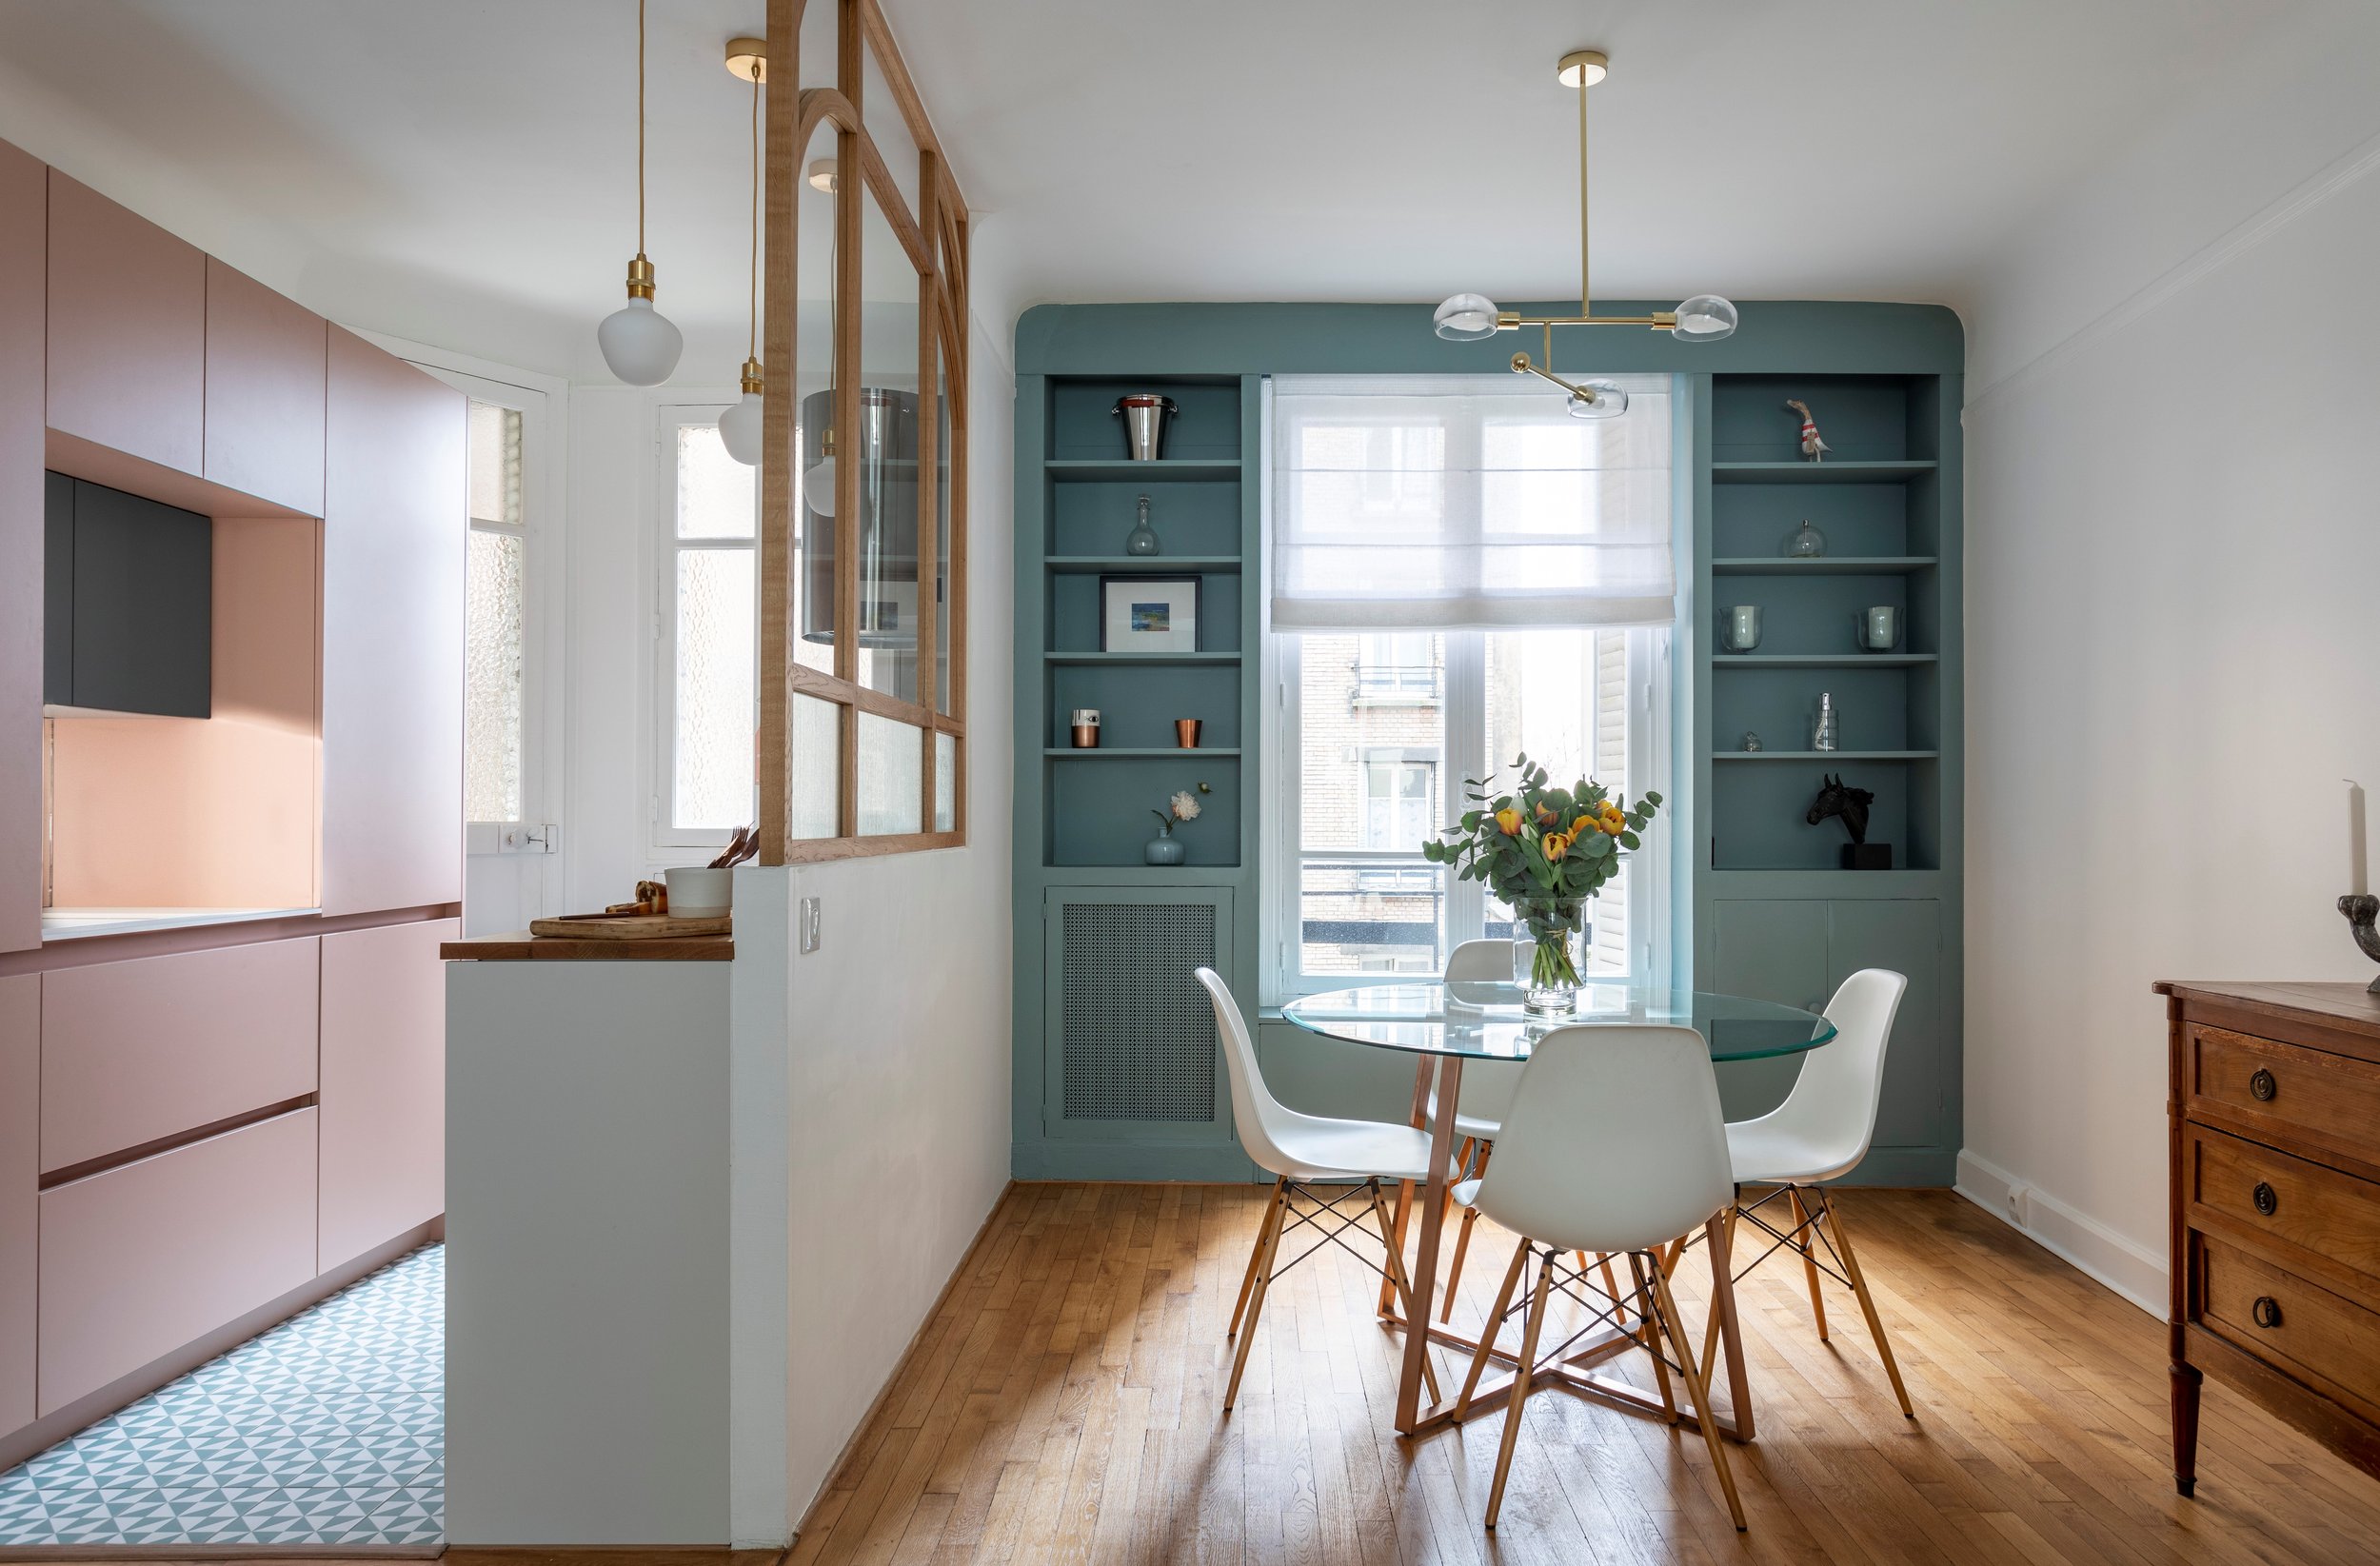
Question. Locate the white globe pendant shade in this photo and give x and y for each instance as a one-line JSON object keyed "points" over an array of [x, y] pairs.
{"points": [[1610, 401], [1465, 318], [818, 487], [640, 343], [1705, 318], [740, 431]]}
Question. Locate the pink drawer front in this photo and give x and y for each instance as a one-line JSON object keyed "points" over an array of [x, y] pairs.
{"points": [[133, 1052], [384, 1094], [141, 1259]]}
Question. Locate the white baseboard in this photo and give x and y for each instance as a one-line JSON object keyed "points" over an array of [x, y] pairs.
{"points": [[2137, 1274]]}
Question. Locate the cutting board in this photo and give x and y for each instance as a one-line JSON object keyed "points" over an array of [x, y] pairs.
{"points": [[629, 927]]}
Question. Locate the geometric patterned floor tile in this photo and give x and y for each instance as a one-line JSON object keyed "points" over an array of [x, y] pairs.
{"points": [[328, 1429]]}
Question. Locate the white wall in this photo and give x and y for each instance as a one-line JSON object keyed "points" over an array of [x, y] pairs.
{"points": [[2172, 579]]}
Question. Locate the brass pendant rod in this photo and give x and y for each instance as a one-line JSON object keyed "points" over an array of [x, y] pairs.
{"points": [[752, 301], [640, 127], [1586, 307]]}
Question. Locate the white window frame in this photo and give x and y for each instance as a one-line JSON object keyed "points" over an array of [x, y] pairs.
{"points": [[1463, 904], [667, 840]]}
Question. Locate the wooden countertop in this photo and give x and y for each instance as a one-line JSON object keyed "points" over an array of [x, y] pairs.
{"points": [[520, 947], [2351, 1004]]}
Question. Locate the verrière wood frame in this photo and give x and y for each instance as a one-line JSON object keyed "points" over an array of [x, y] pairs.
{"points": [[935, 240]]}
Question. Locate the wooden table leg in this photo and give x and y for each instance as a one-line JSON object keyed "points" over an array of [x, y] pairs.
{"points": [[1404, 1188], [1433, 1215], [1718, 1233]]}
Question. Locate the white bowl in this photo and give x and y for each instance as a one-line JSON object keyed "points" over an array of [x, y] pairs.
{"points": [[700, 892]]}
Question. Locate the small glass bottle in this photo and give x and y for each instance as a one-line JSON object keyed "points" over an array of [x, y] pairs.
{"points": [[1806, 543], [1143, 539], [1826, 733]]}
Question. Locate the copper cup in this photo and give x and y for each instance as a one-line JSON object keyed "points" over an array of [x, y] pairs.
{"points": [[1086, 728], [1186, 732]]}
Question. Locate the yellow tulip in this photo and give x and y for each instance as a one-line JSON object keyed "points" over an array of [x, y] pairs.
{"points": [[1556, 845], [1508, 819]]}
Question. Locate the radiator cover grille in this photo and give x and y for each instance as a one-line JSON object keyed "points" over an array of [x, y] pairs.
{"points": [[1137, 1030]]}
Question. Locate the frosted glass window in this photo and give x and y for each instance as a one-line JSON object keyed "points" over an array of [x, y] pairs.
{"points": [[718, 497], [712, 778], [491, 745], [816, 775], [945, 783], [891, 756], [495, 444]]}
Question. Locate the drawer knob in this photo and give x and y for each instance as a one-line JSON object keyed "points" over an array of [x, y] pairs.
{"points": [[2265, 1199], [2266, 1312], [2263, 1086]]}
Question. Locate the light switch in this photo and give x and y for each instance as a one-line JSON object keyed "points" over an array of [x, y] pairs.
{"points": [[809, 916]]}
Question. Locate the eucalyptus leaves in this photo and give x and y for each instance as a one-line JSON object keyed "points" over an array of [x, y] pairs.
{"points": [[1544, 852]]}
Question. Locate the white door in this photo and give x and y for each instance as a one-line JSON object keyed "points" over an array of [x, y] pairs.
{"points": [[512, 787]]}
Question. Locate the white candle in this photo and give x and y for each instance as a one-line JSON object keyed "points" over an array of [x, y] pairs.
{"points": [[2358, 878]]}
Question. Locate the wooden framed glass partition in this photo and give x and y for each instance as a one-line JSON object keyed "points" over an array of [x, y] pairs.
{"points": [[862, 646]]}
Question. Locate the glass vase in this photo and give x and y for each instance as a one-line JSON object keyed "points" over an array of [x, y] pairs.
{"points": [[1164, 848], [1552, 984]]}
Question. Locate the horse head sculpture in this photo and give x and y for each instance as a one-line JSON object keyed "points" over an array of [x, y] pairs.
{"points": [[1837, 797]]}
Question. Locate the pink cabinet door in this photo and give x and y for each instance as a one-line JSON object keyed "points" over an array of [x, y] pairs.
{"points": [[136, 1052], [128, 329], [140, 1259], [394, 532], [384, 1093], [24, 258], [20, 1177], [265, 362]]}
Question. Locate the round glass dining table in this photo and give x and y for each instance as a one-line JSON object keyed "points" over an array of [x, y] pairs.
{"points": [[1445, 1025]]}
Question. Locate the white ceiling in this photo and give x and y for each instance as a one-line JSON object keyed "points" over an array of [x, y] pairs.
{"points": [[461, 171]]}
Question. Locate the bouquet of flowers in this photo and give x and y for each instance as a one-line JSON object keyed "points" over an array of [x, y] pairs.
{"points": [[1544, 852]]}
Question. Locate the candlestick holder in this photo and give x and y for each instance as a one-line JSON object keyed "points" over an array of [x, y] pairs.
{"points": [[2362, 916]]}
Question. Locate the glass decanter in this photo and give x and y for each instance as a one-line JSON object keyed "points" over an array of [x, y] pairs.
{"points": [[1806, 543], [1143, 539]]}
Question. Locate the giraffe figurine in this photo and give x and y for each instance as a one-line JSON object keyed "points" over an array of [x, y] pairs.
{"points": [[1812, 446]]}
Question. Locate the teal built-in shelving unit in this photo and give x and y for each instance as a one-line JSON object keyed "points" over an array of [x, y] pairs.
{"points": [[1116, 1074]]}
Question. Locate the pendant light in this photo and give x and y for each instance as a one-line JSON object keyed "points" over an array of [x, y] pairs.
{"points": [[639, 343], [740, 426], [1469, 317]]}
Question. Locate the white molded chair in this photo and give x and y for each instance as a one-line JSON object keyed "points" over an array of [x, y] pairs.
{"points": [[1821, 1133], [1301, 1151], [1616, 1146]]}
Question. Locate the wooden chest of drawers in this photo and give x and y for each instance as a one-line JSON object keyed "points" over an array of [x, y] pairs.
{"points": [[2275, 1115]]}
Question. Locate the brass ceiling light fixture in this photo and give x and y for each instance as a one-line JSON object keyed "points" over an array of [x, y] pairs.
{"points": [[640, 343], [740, 426], [1468, 317]]}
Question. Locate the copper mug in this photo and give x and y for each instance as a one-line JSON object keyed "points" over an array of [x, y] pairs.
{"points": [[1186, 732], [1086, 728]]}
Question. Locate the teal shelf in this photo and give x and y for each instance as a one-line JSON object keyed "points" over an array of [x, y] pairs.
{"points": [[1823, 565], [1131, 753], [1820, 473], [1828, 756], [1140, 564], [1144, 660], [1822, 660], [1170, 470]]}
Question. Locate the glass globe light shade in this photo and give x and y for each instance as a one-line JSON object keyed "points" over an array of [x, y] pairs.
{"points": [[640, 343], [1705, 318], [1465, 318], [740, 431], [818, 486], [1610, 401]]}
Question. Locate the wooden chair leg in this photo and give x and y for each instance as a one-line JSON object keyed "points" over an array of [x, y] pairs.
{"points": [[1248, 1280], [1267, 1243], [1454, 1274], [1396, 1241], [1650, 1338], [1403, 1286], [1495, 1326], [1802, 1219], [1665, 1306], [1867, 1301], [1513, 1404]]}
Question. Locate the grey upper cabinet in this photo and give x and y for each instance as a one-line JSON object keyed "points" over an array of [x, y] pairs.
{"points": [[132, 581]]}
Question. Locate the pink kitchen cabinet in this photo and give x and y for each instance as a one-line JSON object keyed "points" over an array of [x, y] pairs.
{"points": [[266, 364], [23, 260], [128, 329], [145, 1258], [384, 1084], [394, 534], [20, 1179], [136, 1052]]}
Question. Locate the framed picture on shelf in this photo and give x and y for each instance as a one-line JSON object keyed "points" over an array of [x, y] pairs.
{"points": [[1149, 614]]}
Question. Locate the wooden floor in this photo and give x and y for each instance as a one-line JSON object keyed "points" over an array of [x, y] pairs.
{"points": [[1065, 1404]]}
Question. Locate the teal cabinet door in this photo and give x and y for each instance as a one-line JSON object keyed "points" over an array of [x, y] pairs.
{"points": [[1905, 937], [1770, 950], [1130, 1047]]}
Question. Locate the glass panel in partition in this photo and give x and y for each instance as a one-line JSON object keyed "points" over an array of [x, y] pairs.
{"points": [[891, 755], [814, 781], [814, 380], [945, 783], [884, 532]]}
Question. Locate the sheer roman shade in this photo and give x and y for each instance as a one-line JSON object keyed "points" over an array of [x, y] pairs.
{"points": [[1451, 502]]}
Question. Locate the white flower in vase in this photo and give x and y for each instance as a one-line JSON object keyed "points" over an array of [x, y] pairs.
{"points": [[1184, 805]]}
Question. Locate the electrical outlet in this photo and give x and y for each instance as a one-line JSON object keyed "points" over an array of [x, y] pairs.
{"points": [[807, 917]]}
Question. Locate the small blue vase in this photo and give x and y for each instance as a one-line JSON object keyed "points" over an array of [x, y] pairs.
{"points": [[1164, 848]]}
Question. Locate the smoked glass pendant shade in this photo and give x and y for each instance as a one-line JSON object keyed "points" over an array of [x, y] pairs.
{"points": [[886, 529]]}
